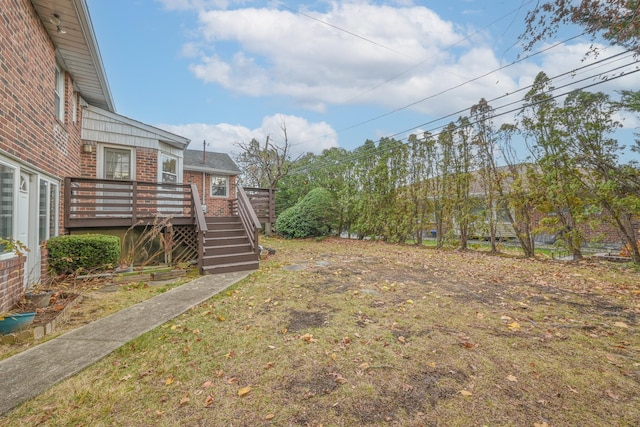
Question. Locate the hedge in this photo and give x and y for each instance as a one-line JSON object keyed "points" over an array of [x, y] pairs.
{"points": [[83, 252]]}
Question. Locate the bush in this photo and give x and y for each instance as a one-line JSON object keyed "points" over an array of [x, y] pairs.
{"points": [[83, 252], [313, 216]]}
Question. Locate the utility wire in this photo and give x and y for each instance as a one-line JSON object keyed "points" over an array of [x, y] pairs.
{"points": [[376, 149]]}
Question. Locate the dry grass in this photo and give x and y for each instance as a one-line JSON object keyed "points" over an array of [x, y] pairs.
{"points": [[346, 333]]}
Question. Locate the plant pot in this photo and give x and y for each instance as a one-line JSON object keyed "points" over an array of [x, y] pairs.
{"points": [[39, 299], [15, 322]]}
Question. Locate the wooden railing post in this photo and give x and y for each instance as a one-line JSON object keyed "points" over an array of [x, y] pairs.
{"points": [[67, 201], [134, 201]]}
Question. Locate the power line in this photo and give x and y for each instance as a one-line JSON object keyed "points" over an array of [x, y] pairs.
{"points": [[358, 156]]}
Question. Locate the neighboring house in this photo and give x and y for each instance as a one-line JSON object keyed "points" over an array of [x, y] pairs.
{"points": [[68, 162], [215, 175]]}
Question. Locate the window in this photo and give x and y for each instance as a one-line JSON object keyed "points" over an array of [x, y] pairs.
{"points": [[7, 186], [219, 186], [59, 94], [117, 164], [47, 210], [169, 168]]}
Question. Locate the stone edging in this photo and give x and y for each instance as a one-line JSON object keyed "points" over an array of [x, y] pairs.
{"points": [[40, 331]]}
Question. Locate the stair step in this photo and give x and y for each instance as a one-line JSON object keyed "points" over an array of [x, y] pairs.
{"points": [[229, 268], [227, 249], [224, 241], [229, 258], [225, 233], [223, 219]]}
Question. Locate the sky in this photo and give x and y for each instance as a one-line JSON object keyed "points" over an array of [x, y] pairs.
{"points": [[333, 74]]}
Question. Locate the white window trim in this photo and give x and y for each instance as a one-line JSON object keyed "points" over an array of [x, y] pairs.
{"points": [[59, 91], [178, 159], [100, 159], [226, 196], [56, 202], [18, 168]]}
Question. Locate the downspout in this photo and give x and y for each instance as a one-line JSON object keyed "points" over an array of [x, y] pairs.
{"points": [[203, 186]]}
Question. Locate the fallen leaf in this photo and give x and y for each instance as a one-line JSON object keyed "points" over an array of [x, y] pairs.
{"points": [[514, 326], [512, 378], [269, 417], [208, 401], [465, 393], [402, 339], [612, 395], [432, 364], [220, 318], [231, 380], [308, 338], [185, 399], [207, 384], [621, 325], [244, 391], [479, 315], [169, 380], [542, 424]]}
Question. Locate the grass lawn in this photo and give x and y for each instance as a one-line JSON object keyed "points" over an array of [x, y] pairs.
{"points": [[352, 333]]}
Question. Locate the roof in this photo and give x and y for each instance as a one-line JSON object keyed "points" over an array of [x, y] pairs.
{"points": [[76, 47], [212, 163]]}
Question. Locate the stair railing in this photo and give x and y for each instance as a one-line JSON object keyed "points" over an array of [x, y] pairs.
{"points": [[200, 223], [249, 218]]}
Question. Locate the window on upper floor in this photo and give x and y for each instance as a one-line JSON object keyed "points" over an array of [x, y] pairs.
{"points": [[219, 186], [59, 94]]}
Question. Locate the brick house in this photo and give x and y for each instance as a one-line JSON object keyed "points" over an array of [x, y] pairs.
{"points": [[50, 67], [215, 175]]}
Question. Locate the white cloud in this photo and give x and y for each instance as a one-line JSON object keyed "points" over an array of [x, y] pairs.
{"points": [[270, 52], [302, 136]]}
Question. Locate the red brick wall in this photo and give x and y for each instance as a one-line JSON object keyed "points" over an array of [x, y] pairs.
{"points": [[11, 277], [29, 128], [146, 165], [216, 206]]}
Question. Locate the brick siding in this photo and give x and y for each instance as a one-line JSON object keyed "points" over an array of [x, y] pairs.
{"points": [[216, 206], [11, 277], [29, 128]]}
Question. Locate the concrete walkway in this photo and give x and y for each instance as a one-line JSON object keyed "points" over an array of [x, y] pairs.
{"points": [[33, 371]]}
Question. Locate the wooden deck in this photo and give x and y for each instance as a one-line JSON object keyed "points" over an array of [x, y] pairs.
{"points": [[98, 203]]}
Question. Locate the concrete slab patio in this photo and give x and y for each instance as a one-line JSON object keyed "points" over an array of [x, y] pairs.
{"points": [[32, 372]]}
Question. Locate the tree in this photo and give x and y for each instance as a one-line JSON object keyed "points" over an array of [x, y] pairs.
{"points": [[618, 21], [463, 161], [588, 118], [485, 142], [518, 190], [264, 166], [562, 201]]}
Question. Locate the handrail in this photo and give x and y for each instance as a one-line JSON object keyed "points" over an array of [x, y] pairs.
{"points": [[200, 221], [248, 218], [201, 225]]}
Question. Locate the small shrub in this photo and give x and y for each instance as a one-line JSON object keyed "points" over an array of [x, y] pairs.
{"points": [[312, 216], [82, 252]]}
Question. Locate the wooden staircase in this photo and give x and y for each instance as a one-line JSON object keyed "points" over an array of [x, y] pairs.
{"points": [[227, 247]]}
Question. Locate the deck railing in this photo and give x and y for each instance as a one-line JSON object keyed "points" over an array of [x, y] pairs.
{"points": [[263, 201], [91, 203]]}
